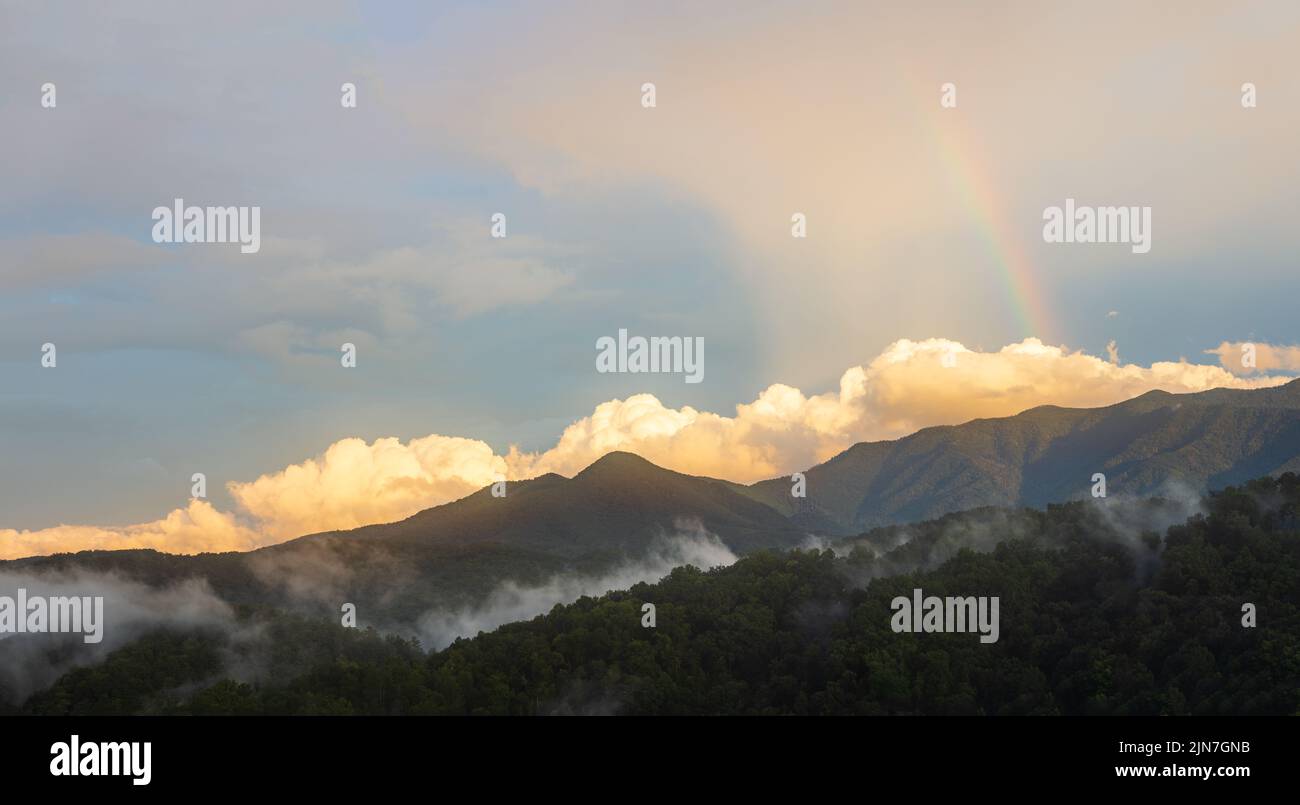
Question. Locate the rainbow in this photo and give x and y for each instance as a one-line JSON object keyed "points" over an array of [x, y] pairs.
{"points": [[979, 194]]}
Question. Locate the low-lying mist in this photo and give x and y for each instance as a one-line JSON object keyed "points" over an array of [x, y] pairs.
{"points": [[31, 662], [1128, 521], [313, 583], [691, 544]]}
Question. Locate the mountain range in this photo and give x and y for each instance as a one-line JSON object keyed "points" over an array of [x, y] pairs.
{"points": [[615, 509], [1158, 443]]}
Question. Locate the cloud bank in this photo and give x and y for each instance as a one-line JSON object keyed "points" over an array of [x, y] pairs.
{"points": [[911, 385]]}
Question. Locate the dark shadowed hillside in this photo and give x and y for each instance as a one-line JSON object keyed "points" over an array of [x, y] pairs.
{"points": [[615, 506]]}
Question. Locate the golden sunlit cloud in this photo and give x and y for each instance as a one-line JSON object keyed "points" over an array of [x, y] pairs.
{"points": [[355, 484], [197, 528], [911, 385]]}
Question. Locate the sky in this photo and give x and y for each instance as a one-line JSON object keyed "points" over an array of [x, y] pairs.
{"points": [[922, 294]]}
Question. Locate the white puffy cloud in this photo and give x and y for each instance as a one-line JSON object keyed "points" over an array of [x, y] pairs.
{"points": [[911, 385], [1266, 357]]}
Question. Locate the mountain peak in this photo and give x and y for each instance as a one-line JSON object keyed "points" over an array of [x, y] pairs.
{"points": [[619, 462]]}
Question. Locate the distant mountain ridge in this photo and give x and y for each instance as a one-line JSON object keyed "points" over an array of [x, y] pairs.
{"points": [[1048, 454], [616, 509]]}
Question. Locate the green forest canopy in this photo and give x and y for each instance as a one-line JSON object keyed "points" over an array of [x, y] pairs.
{"points": [[1093, 621]]}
